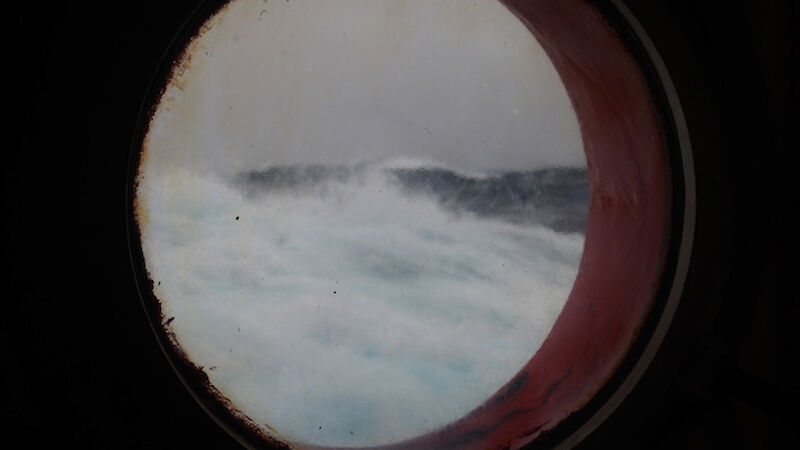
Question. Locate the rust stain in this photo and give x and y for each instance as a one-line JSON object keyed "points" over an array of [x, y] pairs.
{"points": [[194, 377], [616, 205], [178, 78]]}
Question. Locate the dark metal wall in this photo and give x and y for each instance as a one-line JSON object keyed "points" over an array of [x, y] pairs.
{"points": [[80, 365]]}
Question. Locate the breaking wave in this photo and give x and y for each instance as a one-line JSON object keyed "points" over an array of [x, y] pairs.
{"points": [[366, 304]]}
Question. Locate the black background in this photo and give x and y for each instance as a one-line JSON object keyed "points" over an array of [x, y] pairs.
{"points": [[80, 365]]}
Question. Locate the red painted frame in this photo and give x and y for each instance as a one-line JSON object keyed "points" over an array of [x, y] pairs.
{"points": [[625, 249], [626, 239]]}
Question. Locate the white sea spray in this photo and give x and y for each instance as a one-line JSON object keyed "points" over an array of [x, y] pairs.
{"points": [[352, 315]]}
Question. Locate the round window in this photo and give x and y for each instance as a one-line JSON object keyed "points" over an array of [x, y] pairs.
{"points": [[404, 223]]}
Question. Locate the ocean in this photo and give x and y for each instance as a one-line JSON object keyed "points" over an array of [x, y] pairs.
{"points": [[362, 304]]}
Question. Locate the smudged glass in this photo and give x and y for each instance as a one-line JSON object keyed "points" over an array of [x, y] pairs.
{"points": [[361, 219]]}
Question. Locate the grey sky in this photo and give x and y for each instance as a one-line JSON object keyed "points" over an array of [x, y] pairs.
{"points": [[459, 82]]}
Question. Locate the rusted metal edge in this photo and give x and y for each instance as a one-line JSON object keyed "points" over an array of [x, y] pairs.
{"points": [[174, 63], [544, 434]]}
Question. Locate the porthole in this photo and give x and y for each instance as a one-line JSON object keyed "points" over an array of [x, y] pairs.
{"points": [[410, 224]]}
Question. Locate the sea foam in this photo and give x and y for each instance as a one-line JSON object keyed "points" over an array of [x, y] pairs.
{"points": [[356, 313]]}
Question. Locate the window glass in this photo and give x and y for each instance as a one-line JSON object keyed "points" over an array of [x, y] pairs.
{"points": [[363, 217]]}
